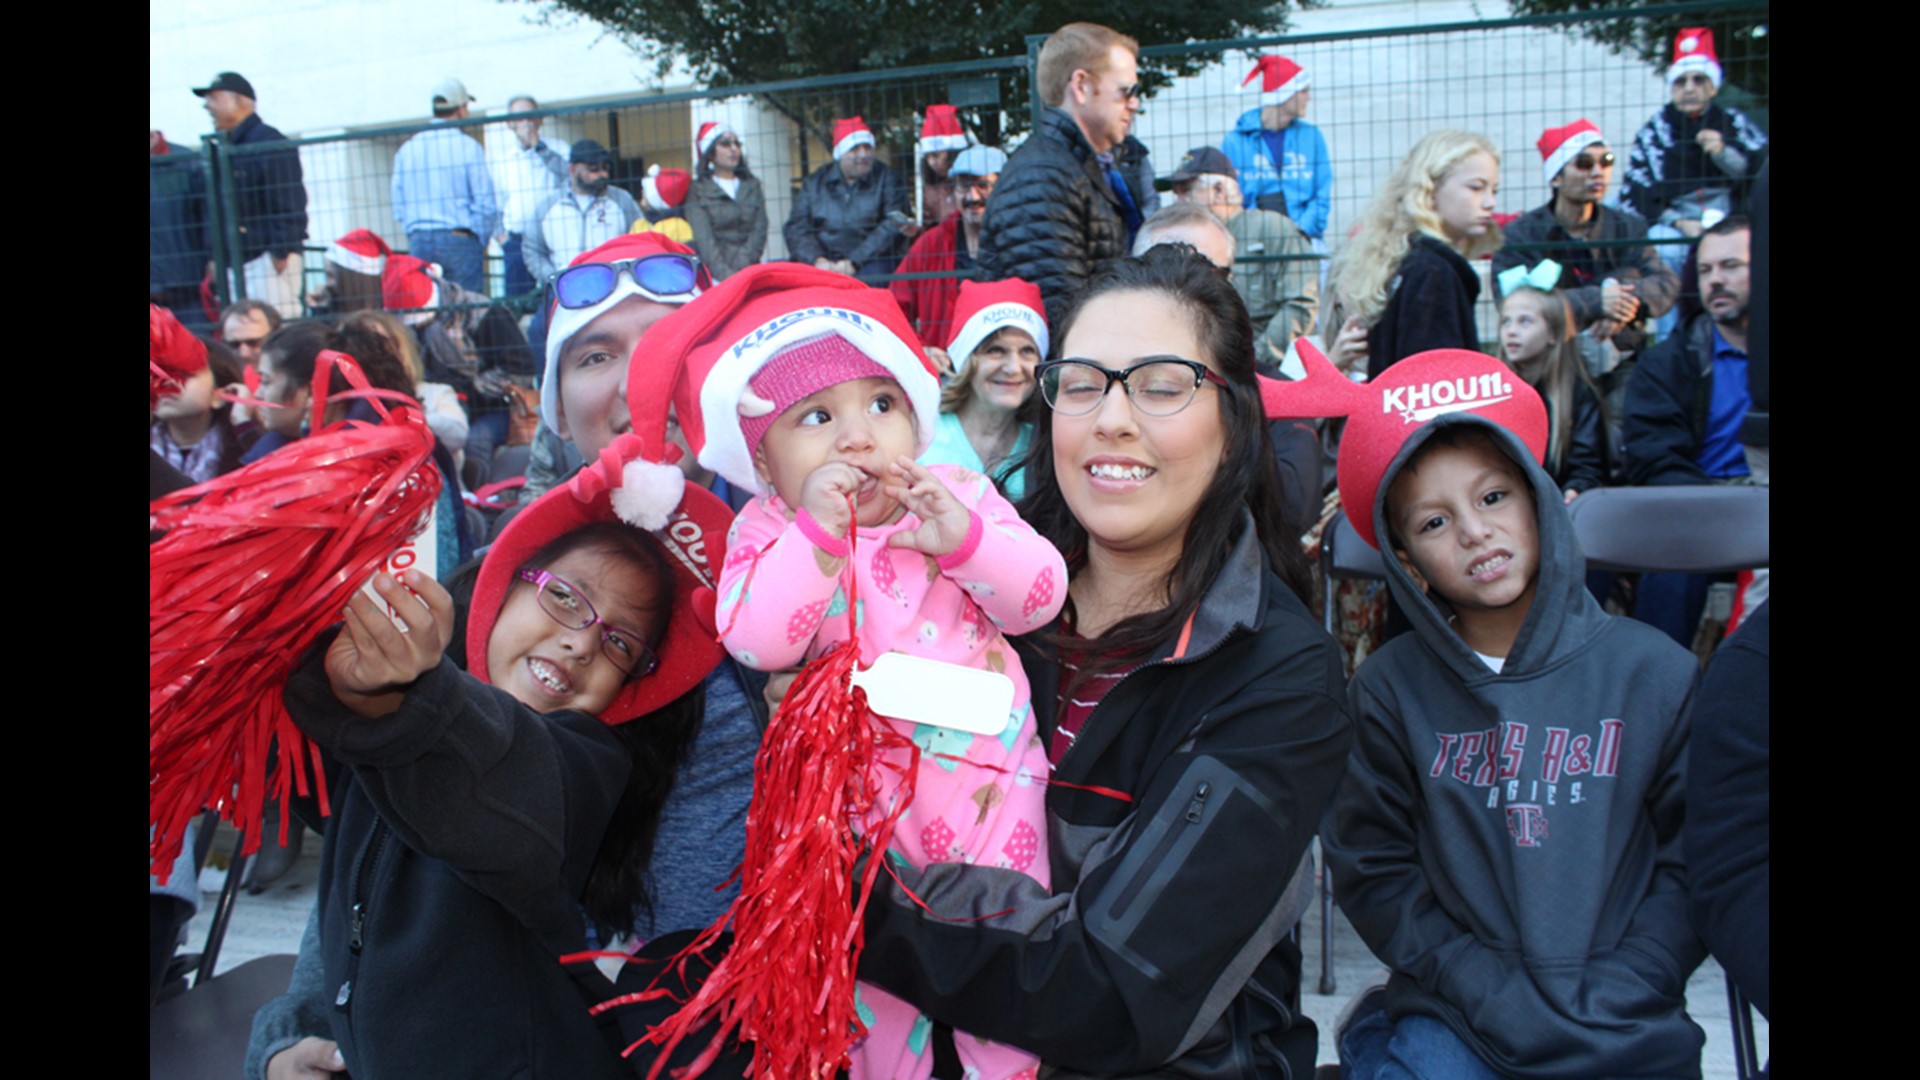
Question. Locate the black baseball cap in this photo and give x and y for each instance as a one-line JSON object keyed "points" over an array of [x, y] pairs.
{"points": [[588, 152], [227, 80], [1201, 160]]}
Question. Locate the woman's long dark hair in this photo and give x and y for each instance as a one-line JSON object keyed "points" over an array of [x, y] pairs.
{"points": [[1246, 478], [296, 348]]}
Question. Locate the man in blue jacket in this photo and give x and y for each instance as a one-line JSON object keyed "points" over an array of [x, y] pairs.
{"points": [[269, 192], [1282, 159]]}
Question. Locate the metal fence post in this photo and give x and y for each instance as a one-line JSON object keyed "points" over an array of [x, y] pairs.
{"points": [[223, 218], [1034, 102]]}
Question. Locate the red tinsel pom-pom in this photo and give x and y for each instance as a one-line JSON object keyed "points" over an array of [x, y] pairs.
{"points": [[253, 566], [818, 788]]}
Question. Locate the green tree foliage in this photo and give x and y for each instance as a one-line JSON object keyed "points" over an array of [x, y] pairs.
{"points": [[736, 42], [1739, 36]]}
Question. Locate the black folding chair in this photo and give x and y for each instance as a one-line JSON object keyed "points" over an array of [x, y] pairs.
{"points": [[203, 1031], [1343, 556], [1708, 529]]}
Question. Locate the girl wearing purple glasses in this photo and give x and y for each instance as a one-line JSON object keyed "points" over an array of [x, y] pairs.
{"points": [[483, 820]]}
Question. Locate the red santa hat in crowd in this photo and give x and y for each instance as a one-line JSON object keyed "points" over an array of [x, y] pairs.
{"points": [[710, 133], [764, 339], [985, 308], [1382, 412], [665, 189], [1693, 51], [409, 285], [1562, 144], [849, 133], [174, 354], [564, 322], [693, 532], [1280, 79], [361, 251], [940, 130]]}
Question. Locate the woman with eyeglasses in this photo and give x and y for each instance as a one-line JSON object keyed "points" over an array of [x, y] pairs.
{"points": [[1406, 278], [727, 209], [1194, 714]]}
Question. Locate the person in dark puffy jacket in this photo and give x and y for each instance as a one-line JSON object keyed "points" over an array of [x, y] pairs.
{"points": [[851, 215], [1063, 206]]}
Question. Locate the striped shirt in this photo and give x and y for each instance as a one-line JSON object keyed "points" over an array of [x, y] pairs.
{"points": [[1075, 707]]}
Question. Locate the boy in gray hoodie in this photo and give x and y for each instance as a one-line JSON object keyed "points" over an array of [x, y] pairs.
{"points": [[1507, 835]]}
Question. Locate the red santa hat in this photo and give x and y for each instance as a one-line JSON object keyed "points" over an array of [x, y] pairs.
{"points": [[693, 534], [174, 355], [710, 133], [1382, 412], [1562, 144], [665, 189], [563, 323], [361, 251], [849, 133], [985, 308], [940, 130], [1693, 51], [408, 285], [745, 324], [1280, 79]]}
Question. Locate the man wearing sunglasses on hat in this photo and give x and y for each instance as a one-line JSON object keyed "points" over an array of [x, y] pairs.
{"points": [[1613, 290]]}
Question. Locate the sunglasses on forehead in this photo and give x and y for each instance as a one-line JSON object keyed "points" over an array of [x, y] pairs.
{"points": [[668, 277]]}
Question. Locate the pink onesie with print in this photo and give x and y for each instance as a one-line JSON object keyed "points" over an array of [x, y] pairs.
{"points": [[784, 608]]}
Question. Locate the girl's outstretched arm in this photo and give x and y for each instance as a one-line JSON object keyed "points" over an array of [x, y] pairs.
{"points": [[373, 661]]}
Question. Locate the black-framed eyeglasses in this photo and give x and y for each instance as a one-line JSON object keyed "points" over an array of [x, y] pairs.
{"points": [[1157, 386], [1694, 78], [1131, 91], [669, 278], [565, 605], [1586, 162]]}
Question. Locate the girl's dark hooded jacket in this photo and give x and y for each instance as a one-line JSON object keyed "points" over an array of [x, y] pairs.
{"points": [[1509, 845]]}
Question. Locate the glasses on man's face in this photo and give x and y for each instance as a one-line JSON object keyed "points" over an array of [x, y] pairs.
{"points": [[975, 183], [1694, 78], [1587, 162], [1160, 386], [565, 605], [1130, 91], [668, 278]]}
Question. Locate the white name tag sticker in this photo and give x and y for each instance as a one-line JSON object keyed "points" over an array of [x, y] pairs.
{"points": [[934, 692]]}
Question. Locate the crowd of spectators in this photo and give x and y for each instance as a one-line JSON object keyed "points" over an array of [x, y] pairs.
{"points": [[1631, 311]]}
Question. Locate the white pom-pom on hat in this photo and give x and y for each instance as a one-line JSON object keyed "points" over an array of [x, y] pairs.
{"points": [[648, 494]]}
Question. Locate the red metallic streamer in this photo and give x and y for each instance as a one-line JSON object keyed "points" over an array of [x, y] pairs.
{"points": [[253, 567], [787, 983]]}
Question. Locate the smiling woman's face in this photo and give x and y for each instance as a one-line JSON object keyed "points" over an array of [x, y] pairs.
{"points": [[1134, 481], [1003, 369]]}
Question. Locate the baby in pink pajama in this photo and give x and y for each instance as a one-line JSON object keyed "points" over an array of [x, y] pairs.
{"points": [[944, 569]]}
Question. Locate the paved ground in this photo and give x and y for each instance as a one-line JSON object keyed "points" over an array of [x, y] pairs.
{"points": [[272, 923]]}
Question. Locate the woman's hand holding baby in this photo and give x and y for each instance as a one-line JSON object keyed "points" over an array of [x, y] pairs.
{"points": [[944, 519], [373, 661]]}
